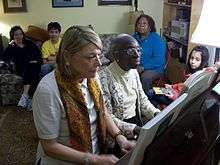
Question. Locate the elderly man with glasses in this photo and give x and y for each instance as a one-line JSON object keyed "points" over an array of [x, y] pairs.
{"points": [[122, 89]]}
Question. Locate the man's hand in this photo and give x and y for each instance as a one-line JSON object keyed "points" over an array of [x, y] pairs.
{"points": [[137, 130]]}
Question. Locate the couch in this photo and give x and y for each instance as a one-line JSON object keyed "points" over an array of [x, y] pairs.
{"points": [[11, 84], [10, 89]]}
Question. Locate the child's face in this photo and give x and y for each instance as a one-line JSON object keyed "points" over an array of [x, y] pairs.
{"points": [[54, 34], [195, 59]]}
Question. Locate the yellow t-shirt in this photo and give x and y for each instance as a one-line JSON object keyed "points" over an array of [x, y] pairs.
{"points": [[49, 48]]}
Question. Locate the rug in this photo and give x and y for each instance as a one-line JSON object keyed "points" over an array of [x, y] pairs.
{"points": [[18, 137]]}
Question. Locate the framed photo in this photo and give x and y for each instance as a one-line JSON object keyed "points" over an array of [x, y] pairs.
{"points": [[13, 6], [67, 3], [114, 2]]}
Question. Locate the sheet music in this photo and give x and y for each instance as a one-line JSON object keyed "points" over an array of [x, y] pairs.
{"points": [[149, 130], [217, 88], [199, 82]]}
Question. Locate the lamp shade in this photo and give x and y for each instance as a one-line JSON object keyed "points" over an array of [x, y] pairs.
{"points": [[133, 15], [207, 31]]}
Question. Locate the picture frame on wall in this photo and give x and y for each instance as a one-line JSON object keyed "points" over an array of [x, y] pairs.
{"points": [[67, 3], [114, 2], [14, 6]]}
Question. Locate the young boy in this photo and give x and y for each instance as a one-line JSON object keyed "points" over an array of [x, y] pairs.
{"points": [[50, 48]]}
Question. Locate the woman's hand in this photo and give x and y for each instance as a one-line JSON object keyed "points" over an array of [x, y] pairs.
{"points": [[12, 42], [102, 159], [172, 95], [124, 144], [168, 86], [52, 58], [170, 91]]}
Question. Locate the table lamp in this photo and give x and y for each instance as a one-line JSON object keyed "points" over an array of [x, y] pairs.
{"points": [[133, 15], [207, 32]]}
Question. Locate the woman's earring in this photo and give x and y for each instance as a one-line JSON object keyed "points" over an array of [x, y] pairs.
{"points": [[68, 70]]}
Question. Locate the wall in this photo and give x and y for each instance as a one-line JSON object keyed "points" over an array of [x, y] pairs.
{"points": [[195, 14], [105, 19]]}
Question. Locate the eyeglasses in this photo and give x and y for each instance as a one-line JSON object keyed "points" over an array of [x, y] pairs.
{"points": [[132, 51]]}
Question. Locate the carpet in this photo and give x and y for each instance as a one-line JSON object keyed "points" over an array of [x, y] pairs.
{"points": [[18, 137]]}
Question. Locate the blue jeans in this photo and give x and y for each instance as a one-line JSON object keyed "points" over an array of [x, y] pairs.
{"points": [[157, 99], [147, 77], [45, 69]]}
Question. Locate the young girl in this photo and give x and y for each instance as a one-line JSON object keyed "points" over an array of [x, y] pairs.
{"points": [[198, 59]]}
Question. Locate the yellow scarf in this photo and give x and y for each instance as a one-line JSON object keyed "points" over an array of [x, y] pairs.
{"points": [[77, 113]]}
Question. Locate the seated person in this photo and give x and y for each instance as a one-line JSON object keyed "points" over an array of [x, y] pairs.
{"points": [[69, 113], [50, 48], [153, 58], [198, 59], [27, 59], [122, 89]]}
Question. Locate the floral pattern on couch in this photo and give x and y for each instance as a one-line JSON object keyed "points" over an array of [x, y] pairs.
{"points": [[10, 89], [106, 40]]}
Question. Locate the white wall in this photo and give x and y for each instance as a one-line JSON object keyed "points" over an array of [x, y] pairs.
{"points": [[105, 19], [154, 8]]}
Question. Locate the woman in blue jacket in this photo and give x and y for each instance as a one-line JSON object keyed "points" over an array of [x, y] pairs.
{"points": [[153, 58]]}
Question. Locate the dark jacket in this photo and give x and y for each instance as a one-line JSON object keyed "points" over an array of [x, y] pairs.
{"points": [[21, 57]]}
